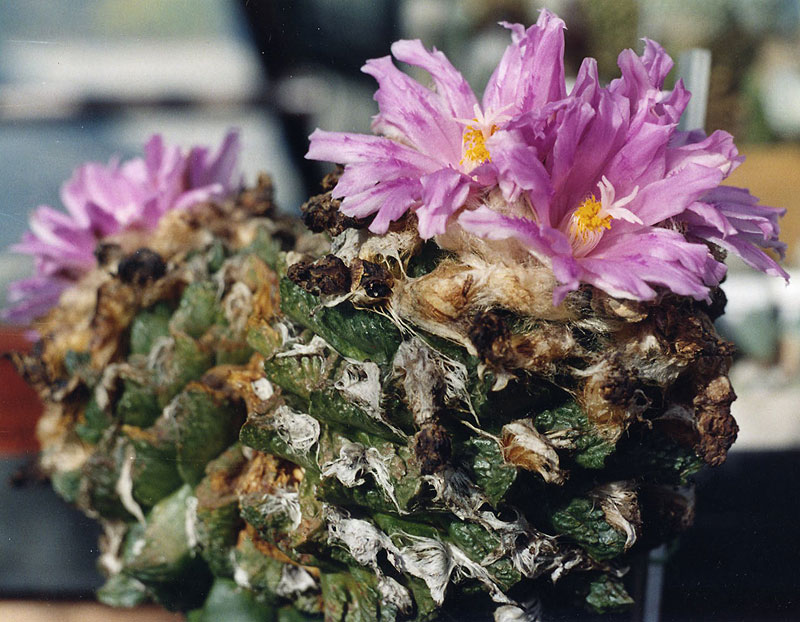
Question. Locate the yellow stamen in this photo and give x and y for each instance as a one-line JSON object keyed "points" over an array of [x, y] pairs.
{"points": [[475, 145], [587, 220]]}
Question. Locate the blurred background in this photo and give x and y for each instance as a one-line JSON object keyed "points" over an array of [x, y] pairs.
{"points": [[92, 79]]}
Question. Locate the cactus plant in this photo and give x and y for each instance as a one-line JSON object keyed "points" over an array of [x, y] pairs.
{"points": [[397, 414]]}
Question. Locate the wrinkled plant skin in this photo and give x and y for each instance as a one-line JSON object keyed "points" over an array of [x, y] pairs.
{"points": [[388, 432]]}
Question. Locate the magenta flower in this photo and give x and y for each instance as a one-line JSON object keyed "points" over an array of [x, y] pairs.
{"points": [[598, 184], [432, 155], [105, 199], [628, 200]]}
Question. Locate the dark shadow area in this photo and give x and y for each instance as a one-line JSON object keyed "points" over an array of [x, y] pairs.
{"points": [[739, 561]]}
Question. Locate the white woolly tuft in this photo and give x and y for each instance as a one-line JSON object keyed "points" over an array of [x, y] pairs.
{"points": [[361, 383], [526, 612], [423, 370], [124, 485], [428, 559], [294, 580], [392, 593], [282, 501], [317, 346], [263, 389], [354, 462], [190, 525], [298, 430], [238, 305], [361, 538]]}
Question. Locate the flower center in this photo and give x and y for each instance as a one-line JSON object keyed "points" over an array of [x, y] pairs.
{"points": [[587, 219], [475, 145]]}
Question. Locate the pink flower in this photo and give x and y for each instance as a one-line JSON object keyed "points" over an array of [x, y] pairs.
{"points": [[627, 200], [432, 153], [598, 184], [105, 199]]}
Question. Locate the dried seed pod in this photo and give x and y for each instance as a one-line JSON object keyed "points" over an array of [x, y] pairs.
{"points": [[141, 266], [328, 276], [373, 278]]}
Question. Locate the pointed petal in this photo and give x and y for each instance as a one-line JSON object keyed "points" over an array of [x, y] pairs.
{"points": [[657, 63], [346, 148], [630, 266], [627, 266], [700, 214], [717, 151], [413, 112], [531, 71], [450, 84], [395, 196], [205, 170], [749, 252]]}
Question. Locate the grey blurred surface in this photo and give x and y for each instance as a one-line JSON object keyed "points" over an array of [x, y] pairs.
{"points": [[46, 547]]}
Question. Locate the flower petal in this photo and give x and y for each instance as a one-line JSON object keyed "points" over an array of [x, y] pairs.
{"points": [[519, 169], [443, 193], [657, 63], [206, 170], [673, 194], [640, 160], [347, 148], [715, 151], [531, 71], [628, 265], [396, 196], [450, 84], [32, 297], [700, 214], [414, 113], [544, 243]]}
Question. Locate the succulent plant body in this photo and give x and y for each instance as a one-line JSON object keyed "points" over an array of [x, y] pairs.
{"points": [[366, 433]]}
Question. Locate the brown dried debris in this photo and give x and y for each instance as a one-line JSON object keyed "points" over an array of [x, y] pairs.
{"points": [[259, 199], [266, 473], [239, 382], [445, 300], [490, 335], [141, 267], [117, 304], [524, 447], [432, 448], [704, 386], [690, 332], [326, 276], [538, 350], [322, 212], [716, 425], [611, 396]]}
